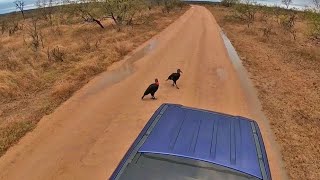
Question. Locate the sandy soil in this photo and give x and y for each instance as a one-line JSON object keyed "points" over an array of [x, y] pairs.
{"points": [[87, 136]]}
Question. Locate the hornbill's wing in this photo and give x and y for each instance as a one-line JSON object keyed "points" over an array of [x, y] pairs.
{"points": [[171, 76], [152, 87]]}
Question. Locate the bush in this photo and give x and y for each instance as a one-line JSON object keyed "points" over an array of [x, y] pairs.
{"points": [[35, 35], [123, 11], [288, 22], [4, 26], [169, 5], [55, 54], [229, 3], [11, 133], [247, 11], [314, 24]]}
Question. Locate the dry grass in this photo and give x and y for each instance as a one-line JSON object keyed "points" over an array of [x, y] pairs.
{"points": [[12, 133], [33, 82], [286, 73]]}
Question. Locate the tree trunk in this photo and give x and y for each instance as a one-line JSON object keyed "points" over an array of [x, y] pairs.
{"points": [[98, 22], [22, 12]]}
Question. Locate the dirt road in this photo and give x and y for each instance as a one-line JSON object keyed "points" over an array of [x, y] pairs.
{"points": [[87, 136]]}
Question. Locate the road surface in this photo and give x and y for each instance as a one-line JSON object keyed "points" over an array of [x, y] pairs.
{"points": [[87, 136]]}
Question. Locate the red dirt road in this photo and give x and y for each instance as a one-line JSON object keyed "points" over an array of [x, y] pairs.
{"points": [[87, 136]]}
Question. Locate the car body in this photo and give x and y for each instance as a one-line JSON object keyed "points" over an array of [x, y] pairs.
{"points": [[180, 142]]}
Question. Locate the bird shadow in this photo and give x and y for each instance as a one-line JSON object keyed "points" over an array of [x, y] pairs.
{"points": [[149, 99]]}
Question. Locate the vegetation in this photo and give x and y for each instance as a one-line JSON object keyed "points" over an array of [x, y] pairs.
{"points": [[49, 53], [314, 24], [229, 3], [247, 11], [287, 3], [280, 49]]}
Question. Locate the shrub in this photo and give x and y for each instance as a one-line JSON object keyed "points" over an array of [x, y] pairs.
{"points": [[55, 54], [4, 26], [288, 22], [229, 3], [122, 12], [35, 34], [247, 11], [123, 48], [314, 24]]}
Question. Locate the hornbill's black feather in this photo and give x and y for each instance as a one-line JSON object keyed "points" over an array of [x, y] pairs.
{"points": [[174, 77], [152, 89]]}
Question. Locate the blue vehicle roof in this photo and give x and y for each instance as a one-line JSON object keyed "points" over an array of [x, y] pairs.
{"points": [[230, 141], [208, 136]]}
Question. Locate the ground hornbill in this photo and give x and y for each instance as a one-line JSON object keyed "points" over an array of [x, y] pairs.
{"points": [[174, 77], [152, 89]]}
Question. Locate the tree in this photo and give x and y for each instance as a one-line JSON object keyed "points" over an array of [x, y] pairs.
{"points": [[287, 3], [247, 11], [171, 4], [89, 11], [20, 5], [288, 22], [316, 3], [229, 3], [122, 12], [46, 9], [35, 34]]}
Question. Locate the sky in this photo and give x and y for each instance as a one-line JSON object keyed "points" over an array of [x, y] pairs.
{"points": [[7, 6]]}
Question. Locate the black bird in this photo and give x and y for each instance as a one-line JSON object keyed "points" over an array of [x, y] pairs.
{"points": [[174, 77], [152, 89]]}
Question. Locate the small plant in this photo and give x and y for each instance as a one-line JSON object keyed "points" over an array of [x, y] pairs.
{"points": [[314, 24], [4, 27], [55, 54], [288, 22], [123, 48], [14, 27], [35, 34], [267, 25]]}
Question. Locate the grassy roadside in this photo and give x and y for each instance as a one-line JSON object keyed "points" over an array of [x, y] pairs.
{"points": [[35, 81], [286, 73]]}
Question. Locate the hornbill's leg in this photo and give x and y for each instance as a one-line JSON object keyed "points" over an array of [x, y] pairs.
{"points": [[176, 84], [152, 94]]}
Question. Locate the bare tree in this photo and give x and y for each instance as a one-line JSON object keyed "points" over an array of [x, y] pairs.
{"points": [[46, 9], [88, 10], [4, 26], [287, 3], [35, 34], [288, 23], [20, 5], [122, 11], [247, 11], [316, 3], [171, 4]]}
